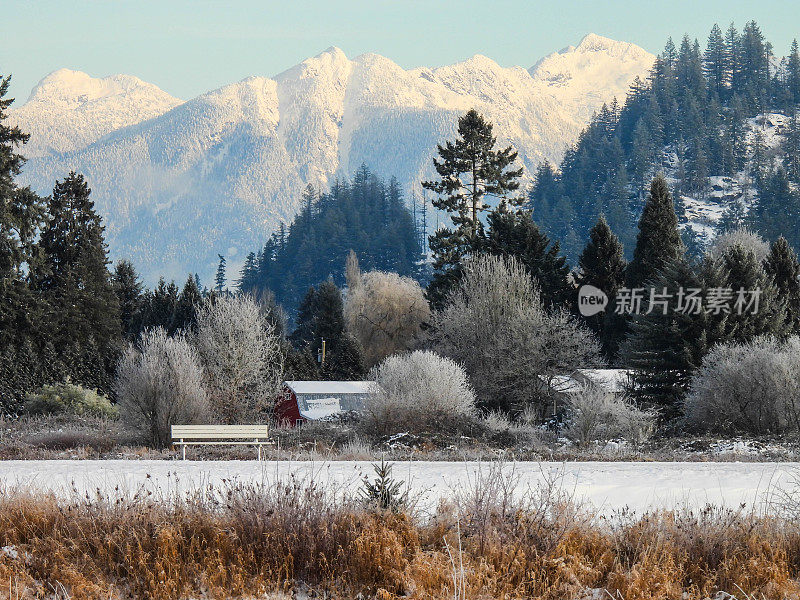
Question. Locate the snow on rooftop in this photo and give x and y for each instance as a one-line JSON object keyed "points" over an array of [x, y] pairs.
{"points": [[331, 387], [612, 380]]}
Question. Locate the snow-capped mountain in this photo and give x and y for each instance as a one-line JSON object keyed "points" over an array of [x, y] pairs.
{"points": [[180, 182], [68, 110]]}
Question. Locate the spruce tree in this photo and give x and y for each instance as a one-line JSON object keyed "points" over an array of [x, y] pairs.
{"points": [[659, 240], [745, 273], [715, 63], [321, 317], [188, 301], [793, 75], [20, 219], [602, 264], [782, 266], [129, 290], [21, 312], [160, 306], [472, 171], [664, 350], [776, 212], [249, 274], [74, 280], [791, 147]]}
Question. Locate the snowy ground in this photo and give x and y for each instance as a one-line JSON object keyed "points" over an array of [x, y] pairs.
{"points": [[609, 486]]}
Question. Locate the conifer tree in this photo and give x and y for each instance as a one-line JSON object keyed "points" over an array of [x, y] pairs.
{"points": [[665, 349], [744, 273], [782, 266], [791, 147], [20, 218], [129, 290], [776, 212], [188, 301], [658, 241], [160, 306], [602, 264], [472, 171], [321, 317], [220, 278], [793, 75], [74, 280], [249, 274], [715, 63], [21, 334]]}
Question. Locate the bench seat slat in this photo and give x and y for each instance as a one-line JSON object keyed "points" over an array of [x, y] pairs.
{"points": [[222, 443], [221, 429], [215, 436]]}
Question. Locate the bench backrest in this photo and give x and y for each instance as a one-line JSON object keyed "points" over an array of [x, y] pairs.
{"points": [[219, 432]]}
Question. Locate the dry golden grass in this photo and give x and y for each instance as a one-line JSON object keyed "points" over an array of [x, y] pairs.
{"points": [[252, 541]]}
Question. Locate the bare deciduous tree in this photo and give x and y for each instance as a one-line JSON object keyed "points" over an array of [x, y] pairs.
{"points": [[160, 384], [385, 313], [419, 392], [494, 324], [241, 353]]}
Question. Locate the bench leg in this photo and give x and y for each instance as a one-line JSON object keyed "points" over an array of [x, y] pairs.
{"points": [[184, 450], [259, 451]]}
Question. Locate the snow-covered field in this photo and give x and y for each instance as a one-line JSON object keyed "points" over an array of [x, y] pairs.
{"points": [[608, 486]]}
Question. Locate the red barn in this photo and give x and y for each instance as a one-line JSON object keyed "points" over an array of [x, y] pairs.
{"points": [[320, 400]]}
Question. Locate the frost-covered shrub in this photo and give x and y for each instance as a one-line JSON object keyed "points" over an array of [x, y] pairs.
{"points": [[160, 384], [69, 398], [419, 392], [744, 238], [596, 414], [752, 387], [240, 351]]}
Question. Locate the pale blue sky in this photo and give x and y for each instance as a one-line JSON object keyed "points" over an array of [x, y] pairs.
{"points": [[188, 47]]}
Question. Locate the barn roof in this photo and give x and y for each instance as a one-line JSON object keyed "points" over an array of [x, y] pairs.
{"points": [[331, 387]]}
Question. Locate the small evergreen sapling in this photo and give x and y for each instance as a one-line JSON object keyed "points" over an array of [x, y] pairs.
{"points": [[385, 493]]}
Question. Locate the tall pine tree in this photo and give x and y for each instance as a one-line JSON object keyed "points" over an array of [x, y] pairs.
{"points": [[471, 171]]}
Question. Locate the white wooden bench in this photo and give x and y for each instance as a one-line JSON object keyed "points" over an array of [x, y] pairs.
{"points": [[219, 435]]}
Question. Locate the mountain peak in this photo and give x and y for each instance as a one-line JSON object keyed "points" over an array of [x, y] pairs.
{"points": [[593, 42], [70, 109]]}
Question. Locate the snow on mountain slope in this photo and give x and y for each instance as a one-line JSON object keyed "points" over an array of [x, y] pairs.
{"points": [[68, 110], [703, 212], [217, 173], [584, 75]]}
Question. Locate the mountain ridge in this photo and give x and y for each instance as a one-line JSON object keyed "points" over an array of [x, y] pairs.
{"points": [[180, 181]]}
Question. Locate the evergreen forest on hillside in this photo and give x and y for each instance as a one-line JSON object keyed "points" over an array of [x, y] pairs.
{"points": [[368, 216], [699, 114]]}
